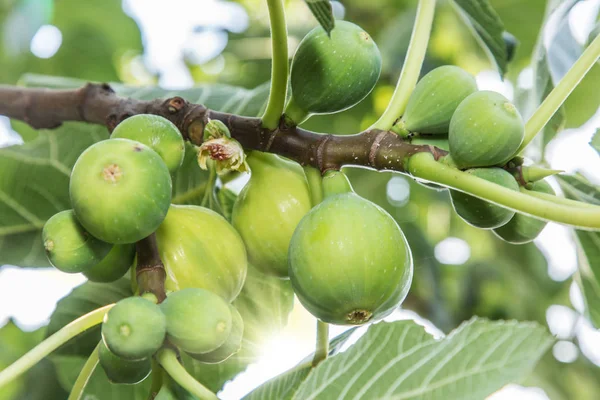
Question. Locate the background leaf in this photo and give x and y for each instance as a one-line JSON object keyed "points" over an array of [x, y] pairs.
{"points": [[400, 360], [487, 27], [323, 12]]}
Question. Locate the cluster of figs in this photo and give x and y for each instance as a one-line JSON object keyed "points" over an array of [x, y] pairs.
{"points": [[346, 257]]}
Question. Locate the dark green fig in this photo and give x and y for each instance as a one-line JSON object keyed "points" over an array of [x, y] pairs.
{"points": [[114, 265], [200, 249], [69, 247], [120, 190], [485, 130], [134, 328], [268, 210], [232, 345], [156, 132], [480, 213], [521, 228], [121, 371], [332, 73], [349, 262], [435, 98], [198, 321]]}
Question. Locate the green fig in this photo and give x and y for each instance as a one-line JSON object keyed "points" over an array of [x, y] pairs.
{"points": [[198, 321], [521, 228], [69, 247], [200, 249], [486, 130], [480, 213], [435, 98], [268, 210], [231, 346], [121, 371], [349, 261], [120, 190], [331, 73], [114, 265], [156, 132], [134, 328]]}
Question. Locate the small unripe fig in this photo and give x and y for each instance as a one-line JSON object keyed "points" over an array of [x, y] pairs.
{"points": [[134, 328], [200, 249], [332, 73], [231, 346], [435, 98], [120, 190], [156, 132], [349, 260], [114, 265], [69, 247], [480, 213], [485, 130], [268, 210], [521, 228], [121, 371], [198, 321]]}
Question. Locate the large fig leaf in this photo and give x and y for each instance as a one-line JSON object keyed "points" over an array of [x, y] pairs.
{"points": [[34, 177], [400, 360]]}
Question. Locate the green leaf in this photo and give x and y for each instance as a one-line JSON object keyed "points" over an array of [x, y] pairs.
{"points": [[400, 360], [487, 27], [83, 299], [595, 142], [323, 12], [281, 387], [588, 243], [38, 383], [34, 177], [264, 303]]}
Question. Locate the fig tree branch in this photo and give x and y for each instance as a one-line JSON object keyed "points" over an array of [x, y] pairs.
{"points": [[150, 270]]}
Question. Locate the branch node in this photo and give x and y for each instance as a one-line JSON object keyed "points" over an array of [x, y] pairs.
{"points": [[375, 147], [321, 153]]}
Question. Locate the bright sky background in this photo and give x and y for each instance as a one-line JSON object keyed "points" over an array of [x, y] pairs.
{"points": [[30, 296]]}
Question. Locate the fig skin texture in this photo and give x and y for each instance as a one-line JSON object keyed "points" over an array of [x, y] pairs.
{"points": [[349, 261], [120, 190], [121, 371], [112, 267], [480, 213], [200, 249], [156, 132], [332, 73], [198, 321], [268, 210], [486, 130], [435, 98], [69, 247], [521, 228], [134, 328], [232, 345]]}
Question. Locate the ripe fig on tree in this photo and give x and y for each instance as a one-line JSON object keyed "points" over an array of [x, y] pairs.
{"points": [[121, 371], [156, 132], [134, 328], [331, 73], [486, 130], [200, 249], [480, 213], [120, 190], [69, 247], [269, 208], [198, 321], [349, 262]]}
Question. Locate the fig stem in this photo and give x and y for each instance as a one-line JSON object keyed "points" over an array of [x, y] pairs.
{"points": [[322, 348], [315, 187], [84, 375], [561, 92], [423, 165], [335, 182], [412, 66], [557, 199], [53, 342], [279, 65], [150, 270], [168, 359]]}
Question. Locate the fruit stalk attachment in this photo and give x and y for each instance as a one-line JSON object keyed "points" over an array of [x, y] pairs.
{"points": [[412, 65], [150, 270], [168, 359], [52, 343], [322, 347]]}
